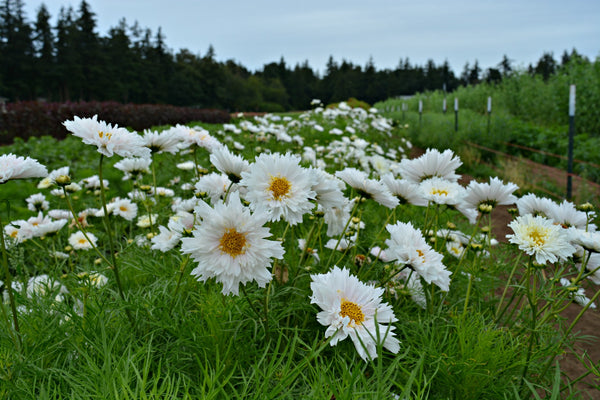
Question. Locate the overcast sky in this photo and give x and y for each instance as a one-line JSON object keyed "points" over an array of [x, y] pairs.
{"points": [[256, 32]]}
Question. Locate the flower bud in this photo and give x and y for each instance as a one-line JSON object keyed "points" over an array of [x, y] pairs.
{"points": [[63, 180]]}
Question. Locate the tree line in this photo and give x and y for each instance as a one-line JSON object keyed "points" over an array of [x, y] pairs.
{"points": [[70, 61]]}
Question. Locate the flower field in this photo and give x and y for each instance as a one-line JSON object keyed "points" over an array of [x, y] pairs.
{"points": [[282, 256]]}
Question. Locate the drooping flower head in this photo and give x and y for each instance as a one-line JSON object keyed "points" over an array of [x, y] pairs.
{"points": [[352, 308], [442, 191], [406, 191], [162, 142], [407, 245], [368, 188], [230, 245], [532, 204], [16, 167], [490, 194], [228, 163], [277, 184], [108, 139], [431, 164], [195, 135], [133, 167]]}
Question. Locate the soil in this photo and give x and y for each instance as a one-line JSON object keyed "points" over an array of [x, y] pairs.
{"points": [[589, 324]]}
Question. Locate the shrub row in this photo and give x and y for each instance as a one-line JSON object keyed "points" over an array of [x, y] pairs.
{"points": [[32, 118]]}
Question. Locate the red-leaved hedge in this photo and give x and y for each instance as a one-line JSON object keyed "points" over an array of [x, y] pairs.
{"points": [[32, 118]]}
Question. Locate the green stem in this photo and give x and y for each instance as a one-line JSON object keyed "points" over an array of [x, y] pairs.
{"points": [[468, 295], [196, 161], [109, 232], [343, 231], [508, 282], [9, 289], [181, 269], [532, 298], [82, 229], [266, 311], [111, 243], [258, 314], [154, 182]]}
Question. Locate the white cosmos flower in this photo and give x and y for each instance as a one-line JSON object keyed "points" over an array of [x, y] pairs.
{"points": [[79, 242], [279, 185], [337, 217], [162, 142], [186, 165], [230, 245], [328, 189], [407, 245], [309, 250], [455, 248], [196, 136], [162, 191], [125, 208], [133, 167], [540, 237], [532, 204], [368, 188], [228, 163], [593, 267], [577, 293], [567, 215], [406, 191], [44, 285], [93, 182], [442, 191], [107, 138], [429, 165], [493, 193], [37, 202], [586, 239], [167, 238], [16, 167], [214, 185], [146, 221], [352, 308]]}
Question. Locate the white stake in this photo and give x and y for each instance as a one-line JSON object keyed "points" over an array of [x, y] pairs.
{"points": [[572, 101]]}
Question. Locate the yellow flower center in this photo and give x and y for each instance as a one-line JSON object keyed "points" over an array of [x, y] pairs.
{"points": [[439, 192], [123, 208], [14, 234], [537, 235], [280, 187], [233, 243], [82, 241], [352, 311], [421, 255], [101, 135]]}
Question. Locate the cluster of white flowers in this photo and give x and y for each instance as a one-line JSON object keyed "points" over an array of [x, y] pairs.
{"points": [[222, 213]]}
